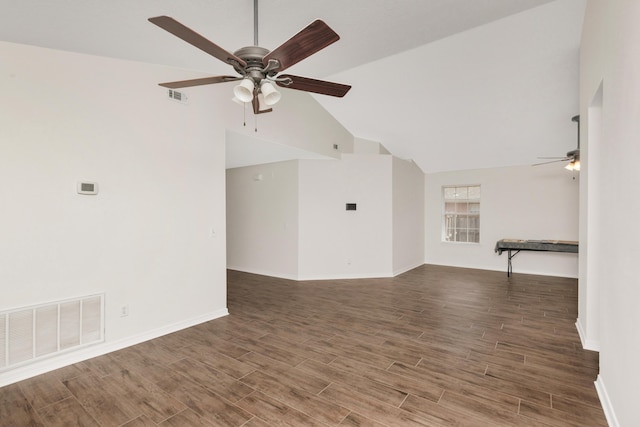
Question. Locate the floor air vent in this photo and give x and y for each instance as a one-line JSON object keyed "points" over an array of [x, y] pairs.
{"points": [[30, 333]]}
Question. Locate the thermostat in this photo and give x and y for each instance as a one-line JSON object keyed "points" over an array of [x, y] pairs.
{"points": [[87, 188]]}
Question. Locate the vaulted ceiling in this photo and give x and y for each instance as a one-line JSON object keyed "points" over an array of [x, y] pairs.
{"points": [[451, 84]]}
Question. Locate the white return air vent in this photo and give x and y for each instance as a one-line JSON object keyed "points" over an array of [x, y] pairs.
{"points": [[175, 95], [30, 333]]}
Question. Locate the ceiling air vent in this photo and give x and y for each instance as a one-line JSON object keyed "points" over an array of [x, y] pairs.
{"points": [[177, 96]]}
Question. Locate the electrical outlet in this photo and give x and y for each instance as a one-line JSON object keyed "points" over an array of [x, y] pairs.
{"points": [[124, 310]]}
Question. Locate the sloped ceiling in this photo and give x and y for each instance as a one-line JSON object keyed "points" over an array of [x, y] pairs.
{"points": [[452, 84]]}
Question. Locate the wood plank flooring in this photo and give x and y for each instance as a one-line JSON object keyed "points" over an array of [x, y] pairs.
{"points": [[436, 346]]}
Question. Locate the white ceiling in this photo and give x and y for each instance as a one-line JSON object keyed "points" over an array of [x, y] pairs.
{"points": [[378, 38]]}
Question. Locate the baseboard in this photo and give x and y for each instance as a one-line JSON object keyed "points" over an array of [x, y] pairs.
{"points": [[344, 276], [502, 269], [261, 272], [592, 345], [609, 413], [303, 277], [400, 271], [56, 362]]}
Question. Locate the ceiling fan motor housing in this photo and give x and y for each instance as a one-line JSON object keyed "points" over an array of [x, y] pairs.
{"points": [[255, 69]]}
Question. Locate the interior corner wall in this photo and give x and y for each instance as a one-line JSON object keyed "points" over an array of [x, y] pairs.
{"points": [[289, 219], [340, 243], [591, 279], [408, 216], [610, 57], [262, 219], [366, 146], [151, 239], [521, 202]]}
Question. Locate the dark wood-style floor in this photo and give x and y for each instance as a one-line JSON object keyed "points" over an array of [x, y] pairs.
{"points": [[436, 346]]}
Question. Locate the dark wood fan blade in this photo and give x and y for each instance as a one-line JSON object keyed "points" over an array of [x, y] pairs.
{"points": [[199, 82], [309, 40], [177, 29], [312, 85]]}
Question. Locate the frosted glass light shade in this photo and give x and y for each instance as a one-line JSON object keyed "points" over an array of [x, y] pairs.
{"points": [[573, 166], [271, 95], [244, 91]]}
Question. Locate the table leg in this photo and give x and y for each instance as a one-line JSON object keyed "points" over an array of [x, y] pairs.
{"points": [[509, 257]]}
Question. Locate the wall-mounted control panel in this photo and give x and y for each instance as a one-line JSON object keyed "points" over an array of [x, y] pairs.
{"points": [[87, 188]]}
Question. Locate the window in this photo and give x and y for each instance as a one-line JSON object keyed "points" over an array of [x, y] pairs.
{"points": [[461, 218]]}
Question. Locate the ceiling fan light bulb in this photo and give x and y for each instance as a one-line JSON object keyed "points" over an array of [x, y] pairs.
{"points": [[576, 165], [244, 91], [271, 95]]}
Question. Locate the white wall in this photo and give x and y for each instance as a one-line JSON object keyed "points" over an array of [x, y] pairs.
{"points": [[364, 146], [293, 223], [610, 57], [262, 219], [144, 240], [297, 120], [521, 202], [592, 234], [408, 216], [334, 242]]}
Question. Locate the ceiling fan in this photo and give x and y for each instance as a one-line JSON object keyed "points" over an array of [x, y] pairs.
{"points": [[258, 67], [573, 156]]}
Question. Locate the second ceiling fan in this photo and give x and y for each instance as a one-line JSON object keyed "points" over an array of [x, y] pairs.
{"points": [[258, 67], [573, 156]]}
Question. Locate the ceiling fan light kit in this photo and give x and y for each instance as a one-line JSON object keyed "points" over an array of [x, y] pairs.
{"points": [[259, 67], [573, 166], [271, 95], [244, 91]]}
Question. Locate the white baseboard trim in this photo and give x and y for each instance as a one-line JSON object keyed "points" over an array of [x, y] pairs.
{"points": [[263, 272], [56, 362], [300, 278], [502, 269], [399, 271], [592, 345], [347, 276], [609, 413]]}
